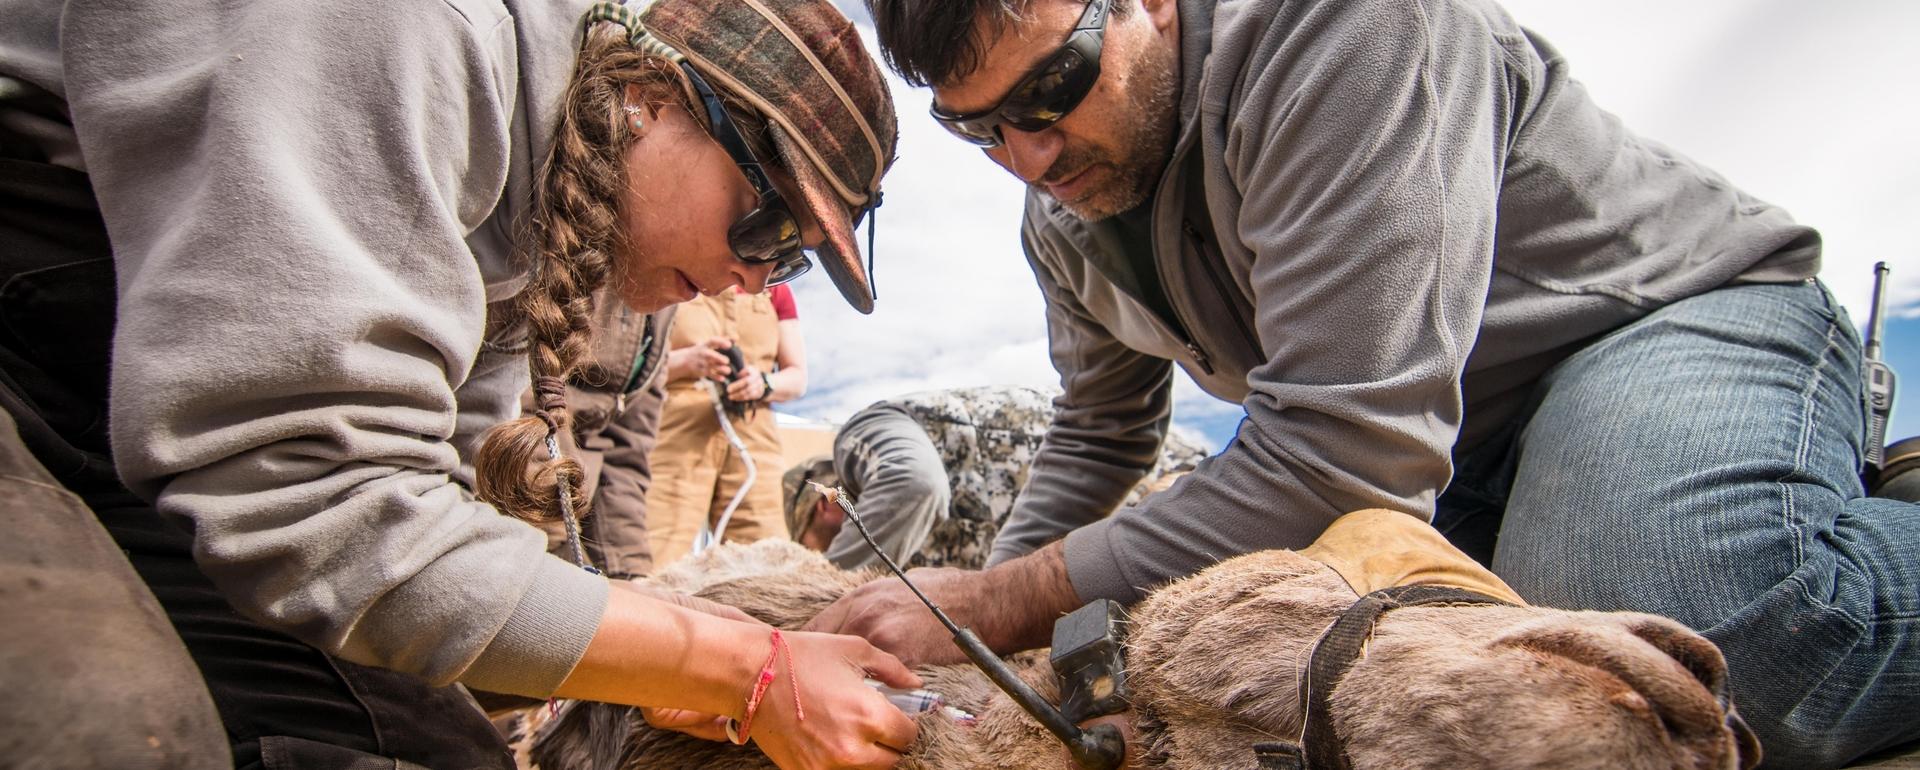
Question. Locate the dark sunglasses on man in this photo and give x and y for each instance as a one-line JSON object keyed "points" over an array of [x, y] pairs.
{"points": [[768, 233], [1047, 93]]}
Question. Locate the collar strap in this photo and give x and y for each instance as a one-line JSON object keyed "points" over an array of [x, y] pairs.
{"points": [[1333, 655]]}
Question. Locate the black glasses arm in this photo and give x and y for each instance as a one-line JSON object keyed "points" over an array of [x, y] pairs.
{"points": [[728, 135]]}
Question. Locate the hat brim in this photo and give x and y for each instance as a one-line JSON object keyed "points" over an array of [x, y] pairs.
{"points": [[840, 254]]}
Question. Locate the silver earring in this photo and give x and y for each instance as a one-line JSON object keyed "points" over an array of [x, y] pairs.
{"points": [[634, 113]]}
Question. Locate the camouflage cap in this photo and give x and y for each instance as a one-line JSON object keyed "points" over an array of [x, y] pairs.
{"points": [[801, 64], [799, 496]]}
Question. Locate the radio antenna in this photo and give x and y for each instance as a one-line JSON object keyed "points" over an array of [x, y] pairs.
{"points": [[1098, 748], [1878, 375]]}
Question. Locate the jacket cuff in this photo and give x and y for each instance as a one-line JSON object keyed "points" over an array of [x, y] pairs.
{"points": [[1005, 553], [1094, 565], [546, 635]]}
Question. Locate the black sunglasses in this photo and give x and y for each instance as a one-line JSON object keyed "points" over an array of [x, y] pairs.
{"points": [[1048, 92], [768, 233]]}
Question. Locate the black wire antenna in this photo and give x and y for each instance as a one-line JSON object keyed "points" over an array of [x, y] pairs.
{"points": [[1100, 747]]}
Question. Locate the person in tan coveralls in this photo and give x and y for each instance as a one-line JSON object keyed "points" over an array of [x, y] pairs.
{"points": [[697, 468]]}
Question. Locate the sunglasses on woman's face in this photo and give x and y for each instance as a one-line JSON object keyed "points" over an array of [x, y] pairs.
{"points": [[769, 233], [1047, 93]]}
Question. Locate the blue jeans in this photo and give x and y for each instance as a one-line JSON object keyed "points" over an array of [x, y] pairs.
{"points": [[1702, 463]]}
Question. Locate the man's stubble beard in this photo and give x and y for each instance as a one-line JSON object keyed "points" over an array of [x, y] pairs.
{"points": [[1145, 146]]}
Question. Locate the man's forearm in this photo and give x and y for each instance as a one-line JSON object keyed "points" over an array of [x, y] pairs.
{"points": [[1019, 600]]}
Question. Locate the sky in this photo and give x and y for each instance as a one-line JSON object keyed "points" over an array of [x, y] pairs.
{"points": [[1811, 106]]}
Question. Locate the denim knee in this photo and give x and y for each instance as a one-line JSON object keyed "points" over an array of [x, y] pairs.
{"points": [[1702, 463]]}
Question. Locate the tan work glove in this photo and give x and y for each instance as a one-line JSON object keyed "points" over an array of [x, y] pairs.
{"points": [[1377, 548]]}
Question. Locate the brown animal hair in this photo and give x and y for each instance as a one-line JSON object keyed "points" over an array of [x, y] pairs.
{"points": [[1216, 662], [575, 236]]}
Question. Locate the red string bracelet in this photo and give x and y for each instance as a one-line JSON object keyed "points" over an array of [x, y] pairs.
{"points": [[760, 684]]}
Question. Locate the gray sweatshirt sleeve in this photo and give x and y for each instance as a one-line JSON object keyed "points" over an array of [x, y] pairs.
{"points": [[287, 186], [1107, 426], [1365, 145]]}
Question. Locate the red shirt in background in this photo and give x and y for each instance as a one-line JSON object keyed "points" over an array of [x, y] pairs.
{"points": [[783, 307]]}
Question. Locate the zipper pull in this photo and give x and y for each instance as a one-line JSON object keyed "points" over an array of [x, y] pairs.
{"points": [[1200, 357]]}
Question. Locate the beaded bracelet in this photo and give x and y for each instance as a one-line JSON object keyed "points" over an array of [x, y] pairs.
{"points": [[738, 730]]}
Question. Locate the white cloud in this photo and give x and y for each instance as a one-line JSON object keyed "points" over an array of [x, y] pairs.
{"points": [[1809, 106]]}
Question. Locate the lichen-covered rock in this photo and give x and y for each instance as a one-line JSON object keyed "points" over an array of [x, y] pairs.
{"points": [[987, 438]]}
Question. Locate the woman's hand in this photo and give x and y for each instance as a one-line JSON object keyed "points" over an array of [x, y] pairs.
{"points": [[698, 724], [848, 724], [750, 386], [656, 651], [700, 361]]}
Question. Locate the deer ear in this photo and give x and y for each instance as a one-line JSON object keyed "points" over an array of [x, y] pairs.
{"points": [[1745, 742]]}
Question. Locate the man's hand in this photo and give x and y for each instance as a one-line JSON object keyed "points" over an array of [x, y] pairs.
{"points": [[889, 616], [1012, 607]]}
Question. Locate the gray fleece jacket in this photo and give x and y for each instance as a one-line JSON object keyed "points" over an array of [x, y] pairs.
{"points": [[311, 207], [1382, 222]]}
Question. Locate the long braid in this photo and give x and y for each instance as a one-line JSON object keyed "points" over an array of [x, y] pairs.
{"points": [[576, 231]]}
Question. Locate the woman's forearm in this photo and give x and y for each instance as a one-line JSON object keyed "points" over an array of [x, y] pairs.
{"points": [[653, 653], [788, 384]]}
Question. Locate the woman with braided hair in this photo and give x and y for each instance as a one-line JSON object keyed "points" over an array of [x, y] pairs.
{"points": [[300, 257]]}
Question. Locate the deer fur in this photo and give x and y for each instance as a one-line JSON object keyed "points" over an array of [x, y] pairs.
{"points": [[1215, 662]]}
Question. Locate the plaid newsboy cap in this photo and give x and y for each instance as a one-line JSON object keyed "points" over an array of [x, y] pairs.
{"points": [[801, 64]]}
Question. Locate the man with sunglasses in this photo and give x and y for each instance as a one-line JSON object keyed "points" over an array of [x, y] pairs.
{"points": [[1441, 281]]}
